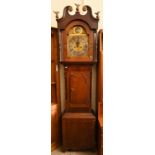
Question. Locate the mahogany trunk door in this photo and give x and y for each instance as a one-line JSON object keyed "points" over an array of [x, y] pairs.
{"points": [[78, 88]]}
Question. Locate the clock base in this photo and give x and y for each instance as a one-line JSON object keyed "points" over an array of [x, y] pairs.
{"points": [[78, 131]]}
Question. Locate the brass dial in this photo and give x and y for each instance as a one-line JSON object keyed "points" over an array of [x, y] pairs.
{"points": [[77, 42]]}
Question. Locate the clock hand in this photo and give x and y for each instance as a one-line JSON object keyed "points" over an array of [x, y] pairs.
{"points": [[77, 43]]}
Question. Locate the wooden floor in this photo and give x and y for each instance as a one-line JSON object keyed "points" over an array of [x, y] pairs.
{"points": [[59, 152]]}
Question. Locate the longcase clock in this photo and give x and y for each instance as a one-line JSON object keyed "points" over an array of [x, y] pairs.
{"points": [[78, 54]]}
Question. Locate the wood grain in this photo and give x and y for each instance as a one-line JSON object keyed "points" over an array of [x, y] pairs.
{"points": [[78, 88], [54, 126], [55, 91], [100, 93], [78, 131]]}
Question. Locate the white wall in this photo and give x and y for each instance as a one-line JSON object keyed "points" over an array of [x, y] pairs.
{"points": [[58, 5], [96, 5]]}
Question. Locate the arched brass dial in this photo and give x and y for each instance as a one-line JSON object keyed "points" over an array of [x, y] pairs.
{"points": [[77, 42]]}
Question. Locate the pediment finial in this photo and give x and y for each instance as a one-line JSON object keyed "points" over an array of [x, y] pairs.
{"points": [[56, 14], [77, 7], [97, 14]]}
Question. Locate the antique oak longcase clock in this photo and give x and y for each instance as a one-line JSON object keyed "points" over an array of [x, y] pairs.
{"points": [[78, 55]]}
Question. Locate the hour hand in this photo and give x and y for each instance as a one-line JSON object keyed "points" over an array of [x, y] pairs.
{"points": [[77, 42]]}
